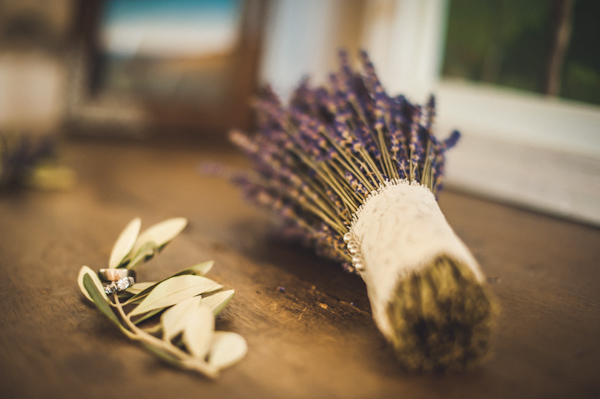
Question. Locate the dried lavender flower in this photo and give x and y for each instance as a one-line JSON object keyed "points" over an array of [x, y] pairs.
{"points": [[356, 172]]}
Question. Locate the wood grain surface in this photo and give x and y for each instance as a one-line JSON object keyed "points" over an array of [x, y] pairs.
{"points": [[314, 340]]}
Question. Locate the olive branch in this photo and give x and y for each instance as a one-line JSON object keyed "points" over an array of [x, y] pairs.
{"points": [[174, 318]]}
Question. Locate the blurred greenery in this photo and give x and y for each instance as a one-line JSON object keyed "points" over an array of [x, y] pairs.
{"points": [[509, 42]]}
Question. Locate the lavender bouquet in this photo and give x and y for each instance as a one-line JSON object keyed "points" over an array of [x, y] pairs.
{"points": [[20, 154], [355, 172], [30, 160]]}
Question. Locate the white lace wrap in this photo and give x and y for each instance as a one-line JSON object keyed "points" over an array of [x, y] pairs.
{"points": [[400, 229]]}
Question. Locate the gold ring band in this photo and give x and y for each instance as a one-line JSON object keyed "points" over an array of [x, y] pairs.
{"points": [[115, 274]]}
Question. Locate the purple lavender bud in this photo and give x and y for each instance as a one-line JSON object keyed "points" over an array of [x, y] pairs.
{"points": [[452, 140]]}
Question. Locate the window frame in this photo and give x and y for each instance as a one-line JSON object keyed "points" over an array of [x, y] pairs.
{"points": [[534, 151]]}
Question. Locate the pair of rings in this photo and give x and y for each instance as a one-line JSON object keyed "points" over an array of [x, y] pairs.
{"points": [[118, 279]]}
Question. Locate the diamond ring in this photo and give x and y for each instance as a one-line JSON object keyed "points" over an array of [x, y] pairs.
{"points": [[119, 279], [120, 285]]}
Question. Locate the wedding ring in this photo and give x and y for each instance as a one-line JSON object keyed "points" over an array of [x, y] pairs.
{"points": [[120, 285], [115, 274]]}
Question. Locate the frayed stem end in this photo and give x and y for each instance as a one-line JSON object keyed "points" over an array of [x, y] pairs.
{"points": [[442, 318]]}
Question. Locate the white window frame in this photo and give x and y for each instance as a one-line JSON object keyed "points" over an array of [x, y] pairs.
{"points": [[525, 149]]}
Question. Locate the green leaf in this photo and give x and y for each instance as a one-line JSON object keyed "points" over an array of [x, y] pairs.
{"points": [[98, 299], [199, 331], [216, 302], [148, 315], [139, 287], [143, 293], [153, 330], [124, 243], [201, 269], [143, 254], [176, 318], [174, 290], [85, 270], [227, 349], [161, 233], [164, 355]]}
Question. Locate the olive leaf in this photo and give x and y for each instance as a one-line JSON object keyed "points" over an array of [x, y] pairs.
{"points": [[96, 297], [148, 315], [227, 349], [175, 289], [217, 301], [162, 354], [197, 270], [124, 243], [198, 332], [154, 329], [142, 254], [139, 287], [174, 320], [161, 233], [86, 271], [201, 269]]}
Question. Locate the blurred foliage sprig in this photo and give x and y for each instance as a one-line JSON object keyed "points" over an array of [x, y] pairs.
{"points": [[29, 160]]}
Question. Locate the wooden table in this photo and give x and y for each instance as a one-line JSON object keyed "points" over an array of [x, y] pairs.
{"points": [[316, 339]]}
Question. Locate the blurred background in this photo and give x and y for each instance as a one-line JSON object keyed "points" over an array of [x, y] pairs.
{"points": [[519, 79]]}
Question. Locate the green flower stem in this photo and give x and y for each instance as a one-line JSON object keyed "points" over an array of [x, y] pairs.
{"points": [[185, 360]]}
